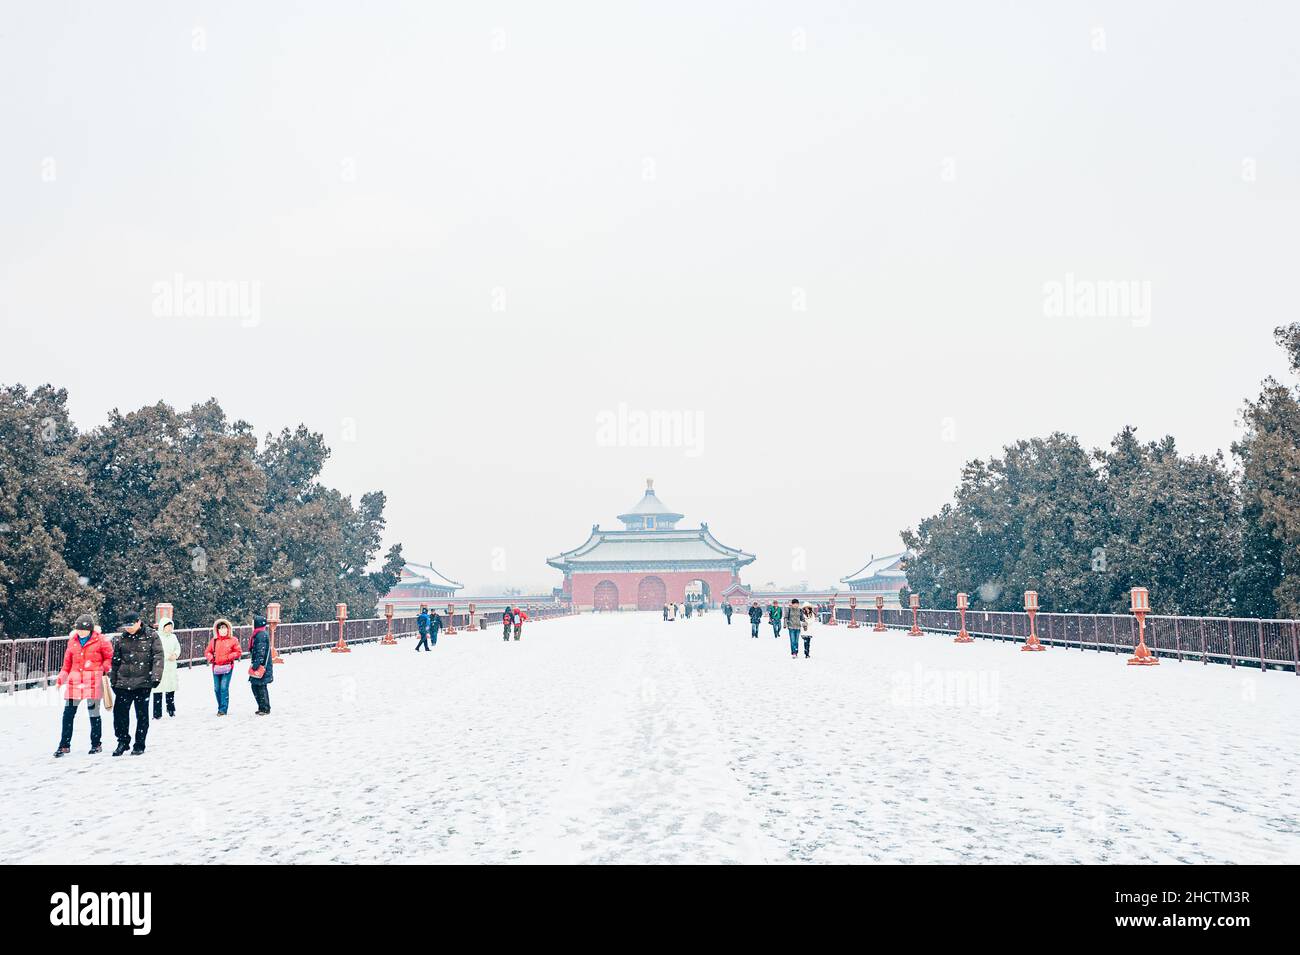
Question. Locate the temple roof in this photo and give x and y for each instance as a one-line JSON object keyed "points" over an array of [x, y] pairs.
{"points": [[657, 546], [879, 566], [417, 574], [650, 505]]}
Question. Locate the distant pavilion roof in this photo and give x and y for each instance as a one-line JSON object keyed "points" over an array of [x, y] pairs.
{"points": [[426, 574], [651, 506], [886, 566]]}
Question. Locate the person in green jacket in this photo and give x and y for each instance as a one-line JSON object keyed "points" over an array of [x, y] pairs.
{"points": [[171, 653], [774, 618]]}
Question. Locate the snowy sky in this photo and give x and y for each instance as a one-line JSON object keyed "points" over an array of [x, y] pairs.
{"points": [[827, 237]]}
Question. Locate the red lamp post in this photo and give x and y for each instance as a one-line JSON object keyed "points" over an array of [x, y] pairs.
{"points": [[342, 645], [916, 610], [473, 624], [831, 621], [880, 616], [273, 621], [162, 612], [451, 619], [853, 614], [389, 640], [1140, 604], [962, 636], [1031, 608]]}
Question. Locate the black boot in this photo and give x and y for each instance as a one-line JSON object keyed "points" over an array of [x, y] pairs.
{"points": [[157, 706], [65, 737], [122, 747], [96, 734]]}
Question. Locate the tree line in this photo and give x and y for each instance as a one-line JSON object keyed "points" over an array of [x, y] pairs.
{"points": [[1082, 527], [178, 506]]}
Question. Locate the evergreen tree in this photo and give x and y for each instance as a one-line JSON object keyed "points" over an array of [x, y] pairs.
{"points": [[1174, 524], [1082, 529], [157, 505], [1267, 582], [40, 494]]}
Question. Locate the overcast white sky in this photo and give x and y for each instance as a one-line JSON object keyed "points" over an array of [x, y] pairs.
{"points": [[476, 227]]}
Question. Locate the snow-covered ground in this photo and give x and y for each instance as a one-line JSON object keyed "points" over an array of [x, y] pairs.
{"points": [[620, 738]]}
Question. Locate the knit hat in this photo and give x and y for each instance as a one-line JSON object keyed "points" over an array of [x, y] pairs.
{"points": [[258, 620], [84, 622]]}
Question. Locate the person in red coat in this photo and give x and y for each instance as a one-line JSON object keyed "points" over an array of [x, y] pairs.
{"points": [[86, 662], [517, 616], [222, 652]]}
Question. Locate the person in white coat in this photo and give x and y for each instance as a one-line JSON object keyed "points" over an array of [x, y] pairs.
{"points": [[171, 653]]}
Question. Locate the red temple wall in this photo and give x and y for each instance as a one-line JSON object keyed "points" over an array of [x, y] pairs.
{"points": [[582, 586]]}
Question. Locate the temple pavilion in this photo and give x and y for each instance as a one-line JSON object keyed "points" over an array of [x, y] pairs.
{"points": [[649, 562]]}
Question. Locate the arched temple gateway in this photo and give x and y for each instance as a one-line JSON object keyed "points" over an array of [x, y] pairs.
{"points": [[648, 563]]}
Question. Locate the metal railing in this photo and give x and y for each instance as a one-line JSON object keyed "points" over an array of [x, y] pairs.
{"points": [[1232, 640], [35, 662]]}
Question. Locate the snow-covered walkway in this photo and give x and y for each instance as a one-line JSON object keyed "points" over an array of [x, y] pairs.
{"points": [[620, 738]]}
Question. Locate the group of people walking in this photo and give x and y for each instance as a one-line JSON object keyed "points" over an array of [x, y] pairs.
{"points": [[512, 617], [428, 623], [797, 619], [141, 663], [692, 608]]}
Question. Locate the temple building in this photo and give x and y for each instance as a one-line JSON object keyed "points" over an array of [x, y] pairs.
{"points": [[884, 576], [648, 563], [419, 584]]}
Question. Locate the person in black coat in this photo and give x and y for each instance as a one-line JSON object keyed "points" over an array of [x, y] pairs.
{"points": [[755, 619], [726, 609], [261, 670], [136, 669]]}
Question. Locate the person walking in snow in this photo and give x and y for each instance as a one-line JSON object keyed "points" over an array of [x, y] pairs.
{"points": [[809, 614], [726, 612], [507, 621], [665, 613], [222, 652], [774, 618], [166, 690], [794, 624], [517, 617], [86, 661], [261, 668], [688, 608], [136, 669], [755, 618], [422, 625]]}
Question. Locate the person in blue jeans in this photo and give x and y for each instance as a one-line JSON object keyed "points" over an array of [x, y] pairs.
{"points": [[794, 623], [222, 652], [221, 686]]}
